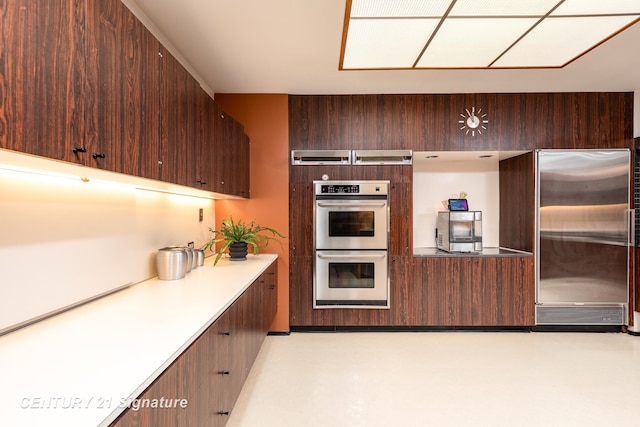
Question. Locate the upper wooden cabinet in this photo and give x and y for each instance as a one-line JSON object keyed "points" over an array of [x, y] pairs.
{"points": [[230, 156], [126, 66], [85, 82], [179, 117], [47, 99]]}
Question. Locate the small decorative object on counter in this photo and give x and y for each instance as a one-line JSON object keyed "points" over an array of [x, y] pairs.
{"points": [[232, 233], [171, 263], [189, 253], [200, 257]]}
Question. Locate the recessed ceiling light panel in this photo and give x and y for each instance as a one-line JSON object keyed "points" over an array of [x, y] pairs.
{"points": [[440, 34], [522, 8], [398, 8], [597, 7], [472, 42], [386, 43], [557, 41]]}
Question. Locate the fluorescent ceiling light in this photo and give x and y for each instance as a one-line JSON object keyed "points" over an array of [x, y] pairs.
{"points": [[386, 42], [441, 34]]}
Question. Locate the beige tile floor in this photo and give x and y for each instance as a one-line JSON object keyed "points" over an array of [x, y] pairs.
{"points": [[443, 379]]}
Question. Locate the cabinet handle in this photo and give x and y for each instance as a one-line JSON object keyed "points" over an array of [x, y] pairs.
{"points": [[77, 150], [225, 333], [222, 413], [224, 372], [201, 182], [272, 286], [98, 156]]}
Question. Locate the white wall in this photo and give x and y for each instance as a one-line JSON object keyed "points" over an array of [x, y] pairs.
{"points": [[63, 240], [435, 180]]}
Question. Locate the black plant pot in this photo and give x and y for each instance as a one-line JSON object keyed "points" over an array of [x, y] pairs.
{"points": [[238, 251]]}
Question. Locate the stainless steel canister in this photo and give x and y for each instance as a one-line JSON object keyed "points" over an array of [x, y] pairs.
{"points": [[200, 257], [189, 258], [194, 258], [171, 263]]}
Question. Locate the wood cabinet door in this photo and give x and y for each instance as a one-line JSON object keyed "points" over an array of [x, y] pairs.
{"points": [[47, 101], [127, 60], [238, 345], [178, 122], [231, 156], [467, 291], [208, 154], [271, 297], [243, 166], [301, 230], [217, 386]]}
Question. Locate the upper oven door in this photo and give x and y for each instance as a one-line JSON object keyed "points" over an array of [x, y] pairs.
{"points": [[351, 224]]}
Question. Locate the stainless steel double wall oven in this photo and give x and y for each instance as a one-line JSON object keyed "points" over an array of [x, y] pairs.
{"points": [[351, 223]]}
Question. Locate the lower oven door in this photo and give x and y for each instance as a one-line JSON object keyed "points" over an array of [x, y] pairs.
{"points": [[357, 279]]}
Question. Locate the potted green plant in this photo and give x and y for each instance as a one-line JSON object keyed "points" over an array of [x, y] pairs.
{"points": [[237, 236]]}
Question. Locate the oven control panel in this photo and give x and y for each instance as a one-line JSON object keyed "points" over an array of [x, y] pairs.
{"points": [[339, 189], [347, 188]]}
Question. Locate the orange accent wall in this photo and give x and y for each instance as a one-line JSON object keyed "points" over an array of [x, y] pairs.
{"points": [[266, 121]]}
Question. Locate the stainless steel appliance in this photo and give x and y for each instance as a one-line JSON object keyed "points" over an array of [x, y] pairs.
{"points": [[352, 215], [583, 232], [351, 224], [171, 263], [459, 231], [351, 278], [351, 157]]}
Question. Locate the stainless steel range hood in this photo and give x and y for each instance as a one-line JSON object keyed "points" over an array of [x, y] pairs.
{"points": [[382, 157], [321, 157], [351, 157]]}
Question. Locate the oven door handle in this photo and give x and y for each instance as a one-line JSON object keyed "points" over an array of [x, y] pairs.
{"points": [[351, 204], [345, 256]]}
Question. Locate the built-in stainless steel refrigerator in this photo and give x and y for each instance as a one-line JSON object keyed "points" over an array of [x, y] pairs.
{"points": [[583, 234]]}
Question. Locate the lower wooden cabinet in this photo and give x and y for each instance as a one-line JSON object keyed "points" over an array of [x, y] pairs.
{"points": [[202, 385], [475, 291], [430, 292]]}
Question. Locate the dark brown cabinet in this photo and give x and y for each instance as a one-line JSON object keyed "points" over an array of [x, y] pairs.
{"points": [[48, 98], [231, 156], [467, 291], [211, 372], [204, 172], [128, 77], [221, 163], [179, 120], [85, 82]]}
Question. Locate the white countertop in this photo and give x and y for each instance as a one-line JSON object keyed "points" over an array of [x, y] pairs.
{"points": [[76, 368]]}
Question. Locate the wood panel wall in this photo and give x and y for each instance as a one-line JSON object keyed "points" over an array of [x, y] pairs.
{"points": [[430, 122], [442, 291], [517, 202]]}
